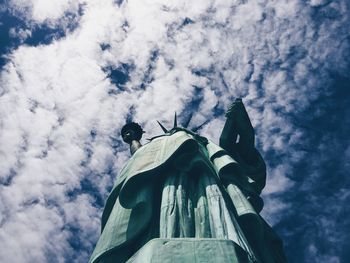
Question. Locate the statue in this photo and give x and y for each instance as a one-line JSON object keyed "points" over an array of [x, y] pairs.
{"points": [[182, 198]]}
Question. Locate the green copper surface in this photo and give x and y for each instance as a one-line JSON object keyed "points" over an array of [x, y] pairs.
{"points": [[182, 186], [190, 250]]}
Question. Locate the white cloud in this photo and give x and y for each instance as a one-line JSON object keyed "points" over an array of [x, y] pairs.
{"points": [[317, 256], [53, 96], [21, 34], [41, 11]]}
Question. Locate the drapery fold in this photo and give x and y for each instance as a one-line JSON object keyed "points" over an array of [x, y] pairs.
{"points": [[194, 182]]}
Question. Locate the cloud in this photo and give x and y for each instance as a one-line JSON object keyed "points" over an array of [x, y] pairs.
{"points": [[40, 11], [64, 101]]}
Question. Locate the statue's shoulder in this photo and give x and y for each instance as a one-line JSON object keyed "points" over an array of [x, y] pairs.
{"points": [[156, 153]]}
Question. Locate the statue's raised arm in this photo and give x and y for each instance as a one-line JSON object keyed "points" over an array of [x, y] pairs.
{"points": [[238, 136], [238, 139]]}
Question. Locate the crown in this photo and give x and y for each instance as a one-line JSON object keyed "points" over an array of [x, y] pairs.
{"points": [[165, 130]]}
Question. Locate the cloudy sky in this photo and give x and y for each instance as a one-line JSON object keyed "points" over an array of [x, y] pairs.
{"points": [[72, 72]]}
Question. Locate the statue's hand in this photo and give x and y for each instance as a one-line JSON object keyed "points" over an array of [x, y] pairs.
{"points": [[232, 108]]}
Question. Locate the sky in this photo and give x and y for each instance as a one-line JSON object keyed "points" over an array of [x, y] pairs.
{"points": [[73, 72]]}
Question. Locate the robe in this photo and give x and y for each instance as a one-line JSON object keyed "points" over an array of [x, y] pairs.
{"points": [[181, 185]]}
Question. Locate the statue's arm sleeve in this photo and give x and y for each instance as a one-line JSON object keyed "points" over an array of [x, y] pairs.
{"points": [[238, 139], [238, 133]]}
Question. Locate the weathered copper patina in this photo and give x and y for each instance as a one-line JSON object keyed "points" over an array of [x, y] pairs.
{"points": [[186, 196]]}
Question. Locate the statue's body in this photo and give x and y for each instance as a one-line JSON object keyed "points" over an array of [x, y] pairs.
{"points": [[181, 185]]}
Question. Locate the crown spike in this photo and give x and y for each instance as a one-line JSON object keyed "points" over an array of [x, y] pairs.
{"points": [[187, 122], [175, 120], [200, 126], [163, 128]]}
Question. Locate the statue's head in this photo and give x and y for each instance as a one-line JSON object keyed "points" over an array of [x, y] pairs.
{"points": [[177, 128], [131, 131], [183, 127]]}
